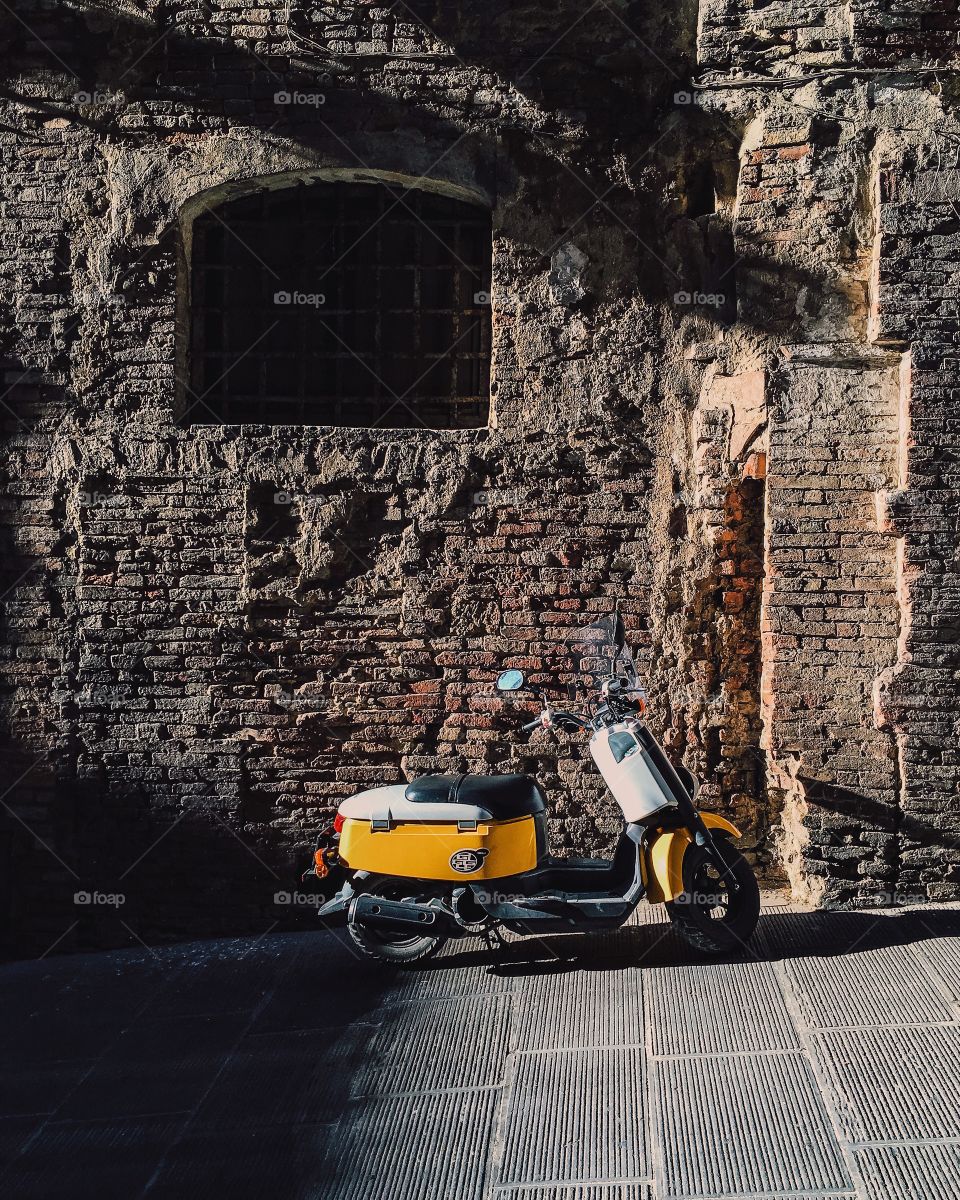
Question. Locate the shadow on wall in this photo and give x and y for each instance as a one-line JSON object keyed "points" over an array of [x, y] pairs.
{"points": [[87, 857], [684, 155], [628, 50], [865, 812], [105, 867]]}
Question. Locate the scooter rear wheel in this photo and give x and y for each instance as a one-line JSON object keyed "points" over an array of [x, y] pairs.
{"points": [[390, 946], [709, 914]]}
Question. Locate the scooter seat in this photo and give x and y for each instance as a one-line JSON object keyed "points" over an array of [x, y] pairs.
{"points": [[503, 796]]}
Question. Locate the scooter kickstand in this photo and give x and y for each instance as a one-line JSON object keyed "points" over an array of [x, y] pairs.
{"points": [[494, 939]]}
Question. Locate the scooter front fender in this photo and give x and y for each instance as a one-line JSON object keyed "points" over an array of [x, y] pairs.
{"points": [[662, 861]]}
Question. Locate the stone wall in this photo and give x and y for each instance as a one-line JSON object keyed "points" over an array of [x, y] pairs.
{"points": [[847, 187], [724, 319]]}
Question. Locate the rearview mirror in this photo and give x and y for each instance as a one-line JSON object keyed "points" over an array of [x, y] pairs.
{"points": [[510, 681]]}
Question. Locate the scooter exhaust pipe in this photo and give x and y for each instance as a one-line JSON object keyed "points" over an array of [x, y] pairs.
{"points": [[401, 915]]}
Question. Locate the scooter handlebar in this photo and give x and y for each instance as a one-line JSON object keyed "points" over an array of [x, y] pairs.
{"points": [[563, 720]]}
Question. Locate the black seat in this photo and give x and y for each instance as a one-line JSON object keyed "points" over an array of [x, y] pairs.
{"points": [[502, 796]]}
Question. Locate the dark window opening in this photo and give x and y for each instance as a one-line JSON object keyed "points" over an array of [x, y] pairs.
{"points": [[701, 190], [340, 304]]}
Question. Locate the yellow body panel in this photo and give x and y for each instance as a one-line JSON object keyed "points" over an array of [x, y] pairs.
{"points": [[663, 863], [423, 850]]}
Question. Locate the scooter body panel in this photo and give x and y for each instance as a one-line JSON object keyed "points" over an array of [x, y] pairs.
{"points": [[622, 752], [390, 804], [663, 858], [452, 850], [570, 894]]}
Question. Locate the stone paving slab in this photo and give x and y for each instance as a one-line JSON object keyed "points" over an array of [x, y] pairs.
{"points": [[437, 1045], [179, 1055], [741, 1124], [283, 1079], [911, 1172], [229, 976], [15, 1132], [574, 1115], [39, 1090], [411, 1148], [567, 1009], [464, 970], [821, 1063], [322, 985], [895, 1084], [264, 1164], [121, 1156], [72, 1007], [577, 1191], [942, 955], [703, 1009], [887, 986]]}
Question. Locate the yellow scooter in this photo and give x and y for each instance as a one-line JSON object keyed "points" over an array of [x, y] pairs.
{"points": [[459, 855]]}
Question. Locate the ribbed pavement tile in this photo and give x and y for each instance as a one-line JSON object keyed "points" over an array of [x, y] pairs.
{"points": [[463, 968], [298, 1077], [256, 1164], [72, 1159], [651, 944], [943, 957], [15, 1132], [224, 976], [412, 1148], [74, 1007], [577, 1191], [574, 1116], [930, 1172], [437, 1044], [715, 1007], [889, 986], [657, 947], [40, 1090], [744, 1123], [567, 1009], [894, 1084], [328, 984], [159, 1066], [820, 933]]}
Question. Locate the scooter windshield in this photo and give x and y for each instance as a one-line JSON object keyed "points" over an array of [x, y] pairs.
{"points": [[600, 649]]}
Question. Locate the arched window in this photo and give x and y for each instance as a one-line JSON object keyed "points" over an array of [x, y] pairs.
{"points": [[352, 304]]}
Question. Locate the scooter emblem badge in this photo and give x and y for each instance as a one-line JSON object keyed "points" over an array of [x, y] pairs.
{"points": [[467, 861]]}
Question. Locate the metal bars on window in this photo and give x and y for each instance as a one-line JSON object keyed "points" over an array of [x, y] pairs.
{"points": [[341, 304]]}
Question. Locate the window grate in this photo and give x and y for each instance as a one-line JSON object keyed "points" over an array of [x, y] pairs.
{"points": [[341, 304]]}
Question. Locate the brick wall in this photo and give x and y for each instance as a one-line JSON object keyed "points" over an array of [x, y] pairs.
{"points": [[785, 37], [831, 621], [846, 226], [214, 634], [917, 277]]}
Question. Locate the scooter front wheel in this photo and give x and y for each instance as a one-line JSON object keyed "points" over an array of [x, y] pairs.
{"points": [[710, 914], [390, 946]]}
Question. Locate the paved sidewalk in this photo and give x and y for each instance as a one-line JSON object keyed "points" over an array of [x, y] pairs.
{"points": [[616, 1068]]}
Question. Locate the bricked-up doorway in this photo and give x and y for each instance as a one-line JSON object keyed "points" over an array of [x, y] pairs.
{"points": [[352, 304]]}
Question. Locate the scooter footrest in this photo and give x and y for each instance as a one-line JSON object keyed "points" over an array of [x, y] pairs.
{"points": [[540, 899]]}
